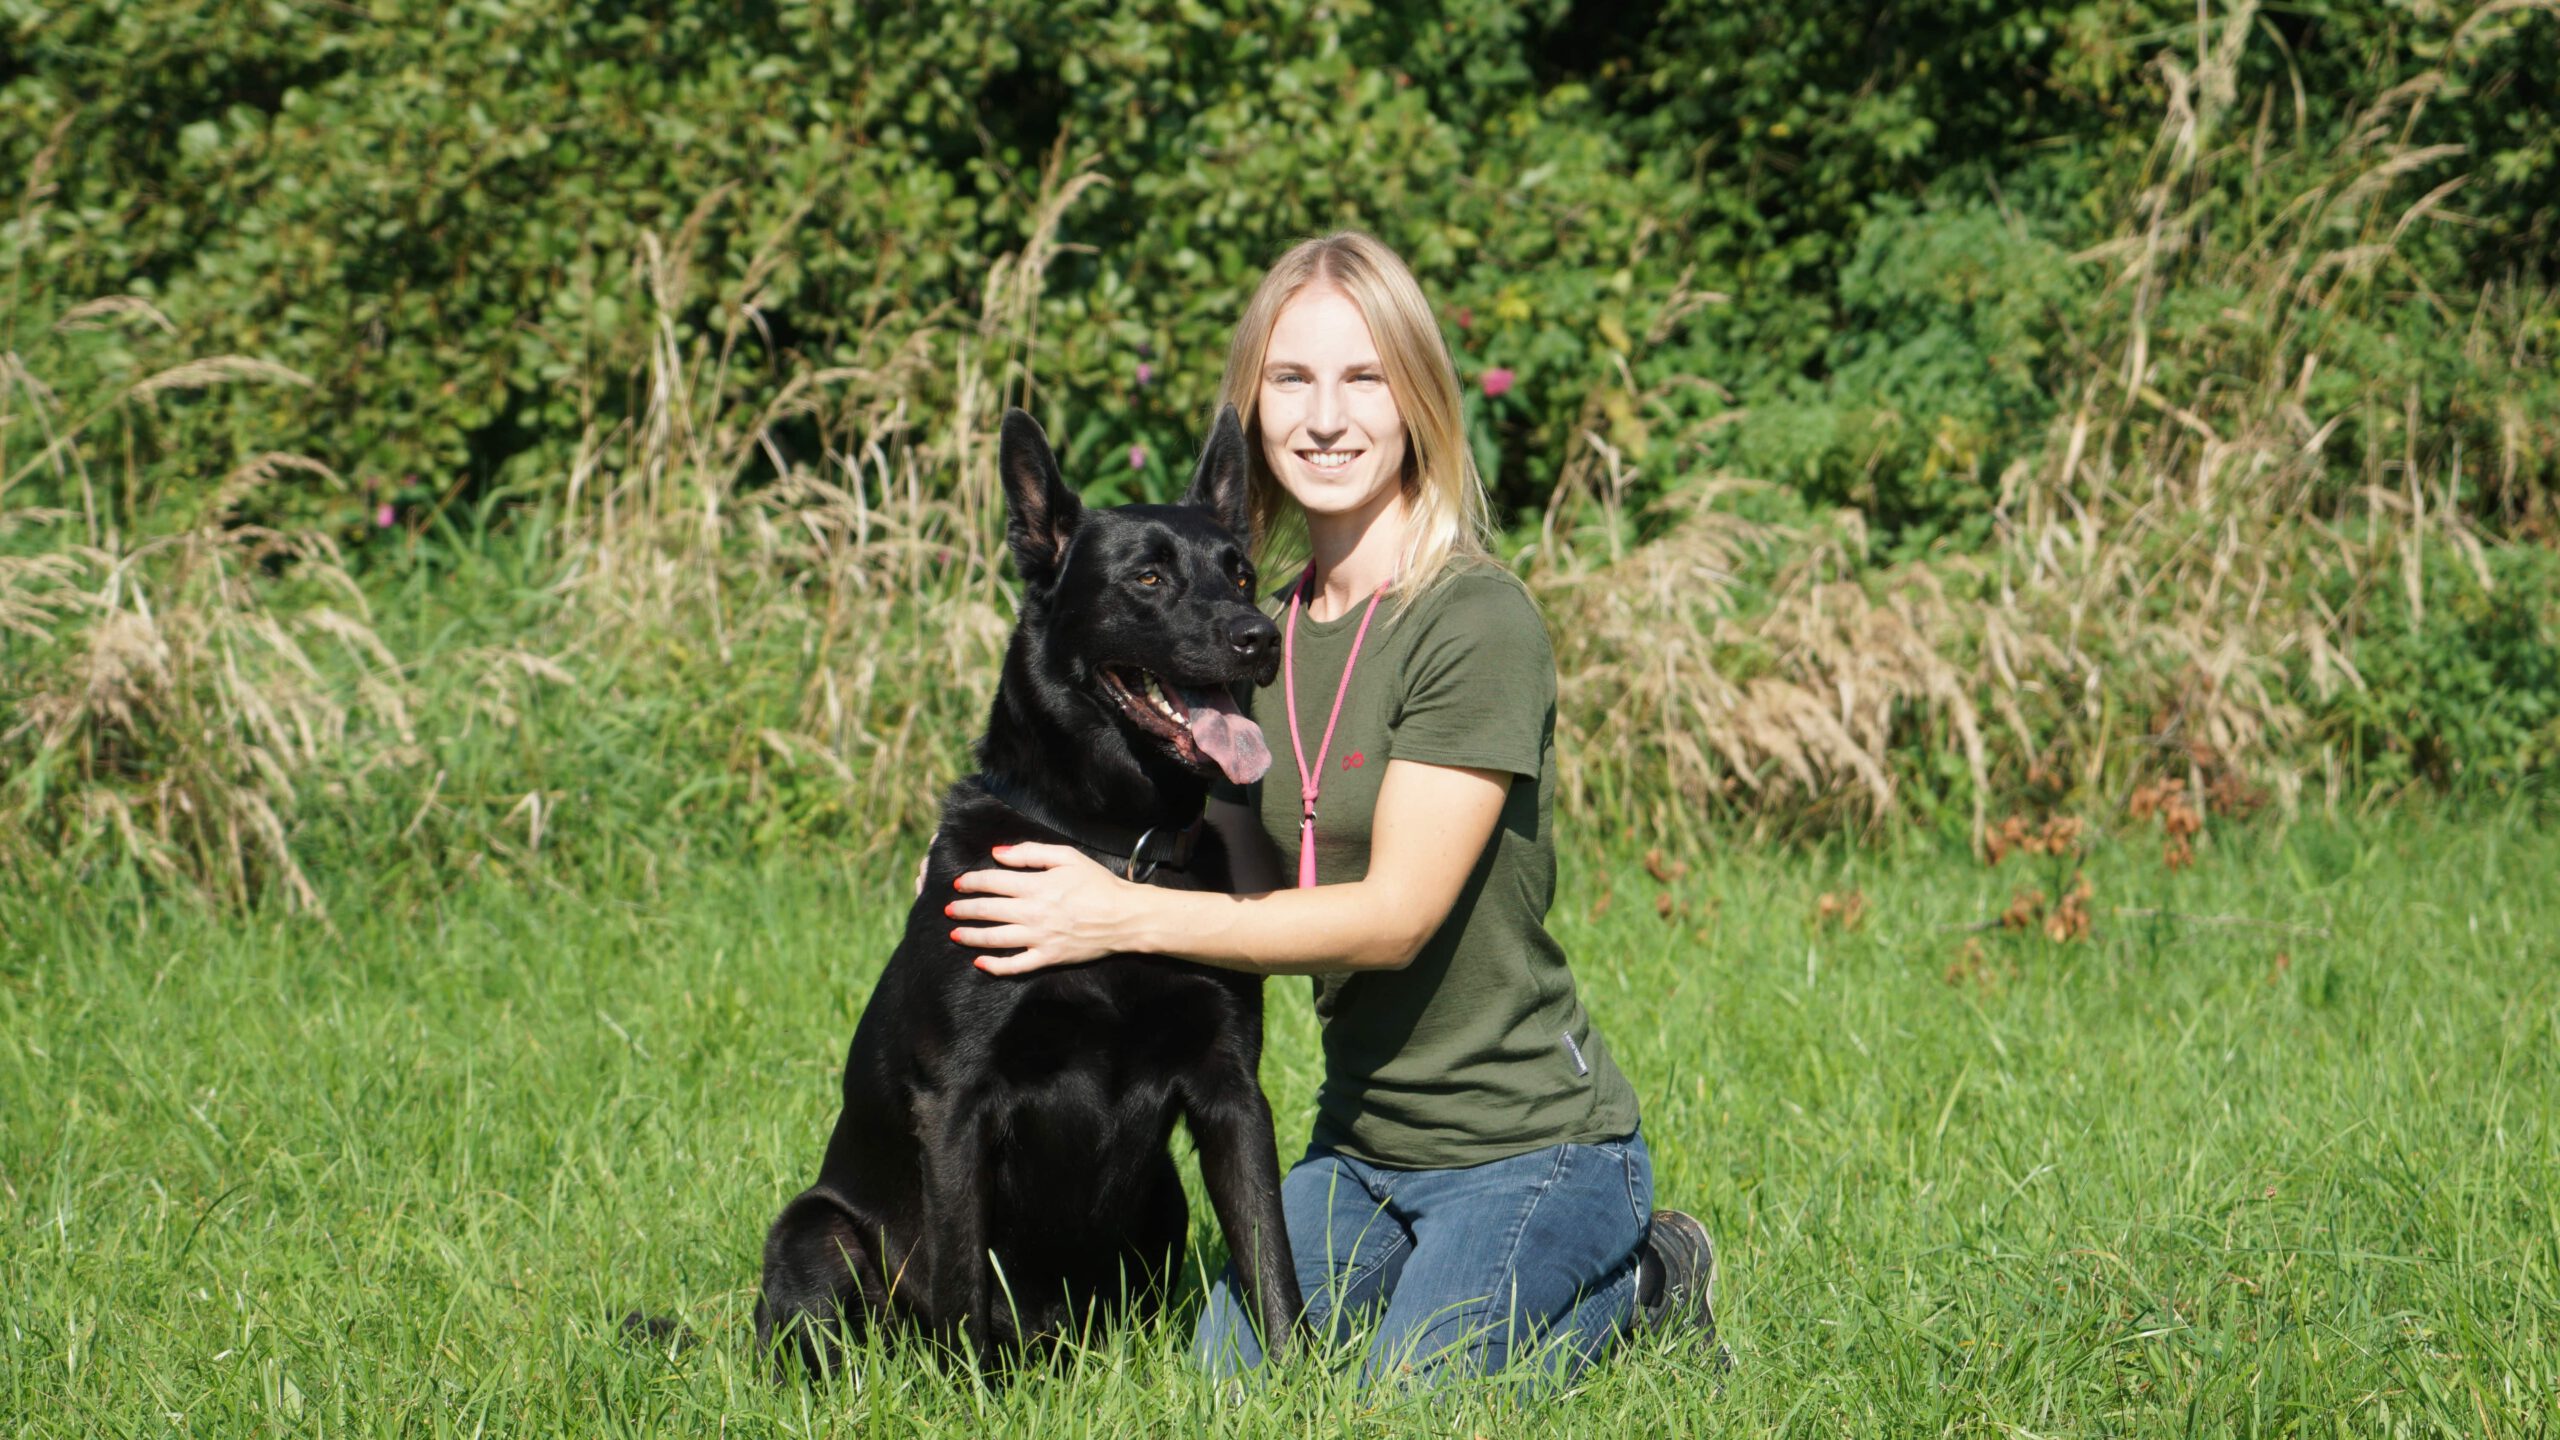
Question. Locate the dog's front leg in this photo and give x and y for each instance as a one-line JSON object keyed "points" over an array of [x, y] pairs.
{"points": [[1231, 1127], [957, 1183]]}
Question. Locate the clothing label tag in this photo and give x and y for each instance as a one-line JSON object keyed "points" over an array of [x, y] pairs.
{"points": [[1579, 1068]]}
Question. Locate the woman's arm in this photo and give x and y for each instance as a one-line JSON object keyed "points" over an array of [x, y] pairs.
{"points": [[1055, 907]]}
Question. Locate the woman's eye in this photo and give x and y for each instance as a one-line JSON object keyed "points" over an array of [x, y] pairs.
{"points": [[1150, 579]]}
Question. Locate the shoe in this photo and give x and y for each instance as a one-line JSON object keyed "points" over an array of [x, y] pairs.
{"points": [[1676, 1282]]}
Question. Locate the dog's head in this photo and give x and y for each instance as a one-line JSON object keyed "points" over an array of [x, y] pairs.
{"points": [[1144, 614]]}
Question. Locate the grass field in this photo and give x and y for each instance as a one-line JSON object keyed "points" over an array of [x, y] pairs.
{"points": [[258, 1177]]}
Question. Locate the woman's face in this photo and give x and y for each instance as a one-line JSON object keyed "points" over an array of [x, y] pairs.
{"points": [[1331, 432]]}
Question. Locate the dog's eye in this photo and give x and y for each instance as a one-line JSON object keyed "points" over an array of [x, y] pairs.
{"points": [[1244, 582], [1150, 579]]}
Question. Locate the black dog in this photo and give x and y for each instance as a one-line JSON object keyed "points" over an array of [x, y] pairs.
{"points": [[1027, 1118]]}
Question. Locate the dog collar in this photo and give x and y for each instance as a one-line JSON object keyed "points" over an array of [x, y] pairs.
{"points": [[1140, 852]]}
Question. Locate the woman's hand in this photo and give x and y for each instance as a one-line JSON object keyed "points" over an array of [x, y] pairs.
{"points": [[1049, 902]]}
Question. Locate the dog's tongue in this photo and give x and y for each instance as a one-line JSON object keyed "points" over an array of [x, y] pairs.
{"points": [[1224, 735]]}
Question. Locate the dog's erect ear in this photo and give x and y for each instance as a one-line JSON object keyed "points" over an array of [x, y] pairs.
{"points": [[1040, 511], [1218, 481]]}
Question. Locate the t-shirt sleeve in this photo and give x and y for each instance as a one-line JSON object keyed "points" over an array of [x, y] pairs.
{"points": [[1480, 690]]}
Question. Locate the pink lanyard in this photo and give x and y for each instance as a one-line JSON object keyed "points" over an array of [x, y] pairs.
{"points": [[1309, 780]]}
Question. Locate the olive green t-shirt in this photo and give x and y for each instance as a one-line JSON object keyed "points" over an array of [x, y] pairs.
{"points": [[1479, 1049]]}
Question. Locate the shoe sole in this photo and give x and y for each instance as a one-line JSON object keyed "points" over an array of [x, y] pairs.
{"points": [[1685, 1231]]}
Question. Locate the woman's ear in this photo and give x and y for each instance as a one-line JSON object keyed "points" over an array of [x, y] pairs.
{"points": [[1218, 481]]}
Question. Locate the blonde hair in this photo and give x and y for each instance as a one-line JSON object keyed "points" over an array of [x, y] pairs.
{"points": [[1447, 518]]}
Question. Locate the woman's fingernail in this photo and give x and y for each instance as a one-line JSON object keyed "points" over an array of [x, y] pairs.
{"points": [[947, 909]]}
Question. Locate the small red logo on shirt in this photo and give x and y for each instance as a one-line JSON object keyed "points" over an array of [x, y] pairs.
{"points": [[1352, 760]]}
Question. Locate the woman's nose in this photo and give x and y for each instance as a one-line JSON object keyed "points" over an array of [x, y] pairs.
{"points": [[1325, 416]]}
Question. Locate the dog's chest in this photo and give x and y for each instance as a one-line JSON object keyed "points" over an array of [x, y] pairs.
{"points": [[1125, 1024]]}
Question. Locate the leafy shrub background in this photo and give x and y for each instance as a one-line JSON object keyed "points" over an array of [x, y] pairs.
{"points": [[1913, 404], [432, 210], [2461, 671]]}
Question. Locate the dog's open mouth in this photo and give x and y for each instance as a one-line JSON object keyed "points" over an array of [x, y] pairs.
{"points": [[1199, 725]]}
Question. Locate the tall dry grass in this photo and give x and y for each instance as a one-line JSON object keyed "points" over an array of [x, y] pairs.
{"points": [[170, 698], [2152, 601], [844, 531], [161, 704]]}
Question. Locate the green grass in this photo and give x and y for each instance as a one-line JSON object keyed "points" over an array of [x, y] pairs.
{"points": [[257, 1177]]}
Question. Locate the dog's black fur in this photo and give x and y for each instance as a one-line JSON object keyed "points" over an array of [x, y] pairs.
{"points": [[1028, 1117]]}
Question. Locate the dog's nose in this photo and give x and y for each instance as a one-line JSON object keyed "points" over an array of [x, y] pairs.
{"points": [[1253, 636]]}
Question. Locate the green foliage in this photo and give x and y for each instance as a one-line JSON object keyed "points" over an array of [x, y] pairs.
{"points": [[437, 213], [2461, 670], [1954, 325]]}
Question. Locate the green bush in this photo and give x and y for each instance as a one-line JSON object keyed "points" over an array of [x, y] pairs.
{"points": [[438, 213], [2461, 677], [1956, 324]]}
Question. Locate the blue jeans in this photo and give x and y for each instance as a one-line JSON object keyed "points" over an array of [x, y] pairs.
{"points": [[1531, 1257]]}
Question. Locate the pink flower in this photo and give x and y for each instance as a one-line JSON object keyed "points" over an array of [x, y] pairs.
{"points": [[1137, 457], [1497, 382], [384, 517], [1466, 317], [1146, 373]]}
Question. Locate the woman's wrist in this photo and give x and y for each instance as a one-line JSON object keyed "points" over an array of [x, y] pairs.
{"points": [[1147, 923]]}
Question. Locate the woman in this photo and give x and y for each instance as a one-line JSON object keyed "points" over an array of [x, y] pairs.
{"points": [[1476, 1180]]}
